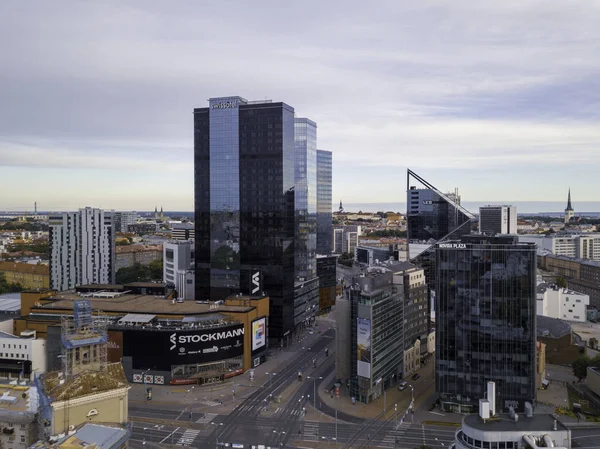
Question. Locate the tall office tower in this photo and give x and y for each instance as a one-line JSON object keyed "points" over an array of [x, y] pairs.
{"points": [[485, 321], [324, 205], [497, 220], [244, 204], [82, 248], [305, 197], [431, 217], [124, 219]]}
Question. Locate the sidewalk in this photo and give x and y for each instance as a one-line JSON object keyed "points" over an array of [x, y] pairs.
{"points": [[423, 387]]}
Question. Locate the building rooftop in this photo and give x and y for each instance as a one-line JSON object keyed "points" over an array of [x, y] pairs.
{"points": [[537, 423], [88, 382], [96, 436], [10, 302], [138, 248], [7, 335], [18, 398], [138, 304], [551, 327], [28, 268]]}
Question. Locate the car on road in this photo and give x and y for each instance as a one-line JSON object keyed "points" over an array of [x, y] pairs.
{"points": [[402, 385], [310, 332], [416, 376]]}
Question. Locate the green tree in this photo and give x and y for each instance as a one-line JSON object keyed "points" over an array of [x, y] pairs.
{"points": [[561, 282], [593, 343], [135, 273], [9, 287], [423, 446], [580, 367], [156, 270]]}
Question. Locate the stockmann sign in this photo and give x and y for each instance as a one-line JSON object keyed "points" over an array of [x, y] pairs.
{"points": [[196, 338]]}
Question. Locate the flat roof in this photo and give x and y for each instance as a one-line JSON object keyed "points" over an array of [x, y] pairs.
{"points": [[102, 436], [10, 302], [140, 304], [12, 400], [136, 318], [504, 423], [7, 335]]}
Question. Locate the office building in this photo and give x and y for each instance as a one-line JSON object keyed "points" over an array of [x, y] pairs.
{"points": [[497, 220], [556, 302], [376, 334], [485, 321], [345, 239], [244, 204], [182, 231], [21, 357], [82, 248], [326, 271], [570, 245], [178, 264], [431, 217], [124, 219], [324, 202]]}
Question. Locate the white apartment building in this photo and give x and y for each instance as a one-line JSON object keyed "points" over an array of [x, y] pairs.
{"points": [[123, 219], [578, 246], [498, 220], [561, 303], [178, 260], [21, 357], [82, 248]]}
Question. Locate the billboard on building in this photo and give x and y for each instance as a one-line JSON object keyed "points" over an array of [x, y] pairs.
{"points": [[115, 346], [162, 349], [259, 333], [363, 345]]}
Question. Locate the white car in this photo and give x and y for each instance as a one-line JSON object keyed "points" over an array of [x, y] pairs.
{"points": [[402, 385]]}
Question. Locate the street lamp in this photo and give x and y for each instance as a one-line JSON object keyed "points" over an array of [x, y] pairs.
{"points": [[217, 431], [412, 404], [314, 391], [271, 378], [190, 405], [280, 436]]}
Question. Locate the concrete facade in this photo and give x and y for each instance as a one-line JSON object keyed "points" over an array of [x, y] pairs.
{"points": [[28, 275], [568, 305]]}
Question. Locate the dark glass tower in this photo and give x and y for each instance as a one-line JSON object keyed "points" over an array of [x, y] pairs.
{"points": [[244, 203], [485, 321], [324, 206]]}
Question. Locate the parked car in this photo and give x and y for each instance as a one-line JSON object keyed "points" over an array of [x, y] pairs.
{"points": [[402, 385], [416, 376], [432, 407]]}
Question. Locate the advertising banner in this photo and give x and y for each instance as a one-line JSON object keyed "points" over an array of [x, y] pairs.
{"points": [[363, 343], [259, 333], [161, 349]]}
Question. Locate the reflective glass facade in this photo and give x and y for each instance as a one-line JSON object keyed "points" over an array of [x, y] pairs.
{"points": [[324, 206], [244, 202], [305, 153], [485, 321]]}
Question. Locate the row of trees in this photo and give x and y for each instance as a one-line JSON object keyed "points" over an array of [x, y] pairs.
{"points": [[387, 233], [346, 259], [140, 273]]}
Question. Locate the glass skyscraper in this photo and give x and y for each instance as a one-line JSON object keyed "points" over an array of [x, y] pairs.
{"points": [[324, 206], [305, 170], [485, 321], [244, 203]]}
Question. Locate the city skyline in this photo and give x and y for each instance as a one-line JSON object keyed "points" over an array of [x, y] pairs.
{"points": [[500, 101]]}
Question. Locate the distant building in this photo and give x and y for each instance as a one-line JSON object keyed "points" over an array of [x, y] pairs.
{"points": [[569, 212], [555, 302], [485, 321], [183, 231], [28, 275], [144, 227], [82, 248], [557, 335], [129, 255], [345, 238], [326, 271], [90, 436], [497, 220], [324, 202], [570, 245], [178, 262], [124, 219]]}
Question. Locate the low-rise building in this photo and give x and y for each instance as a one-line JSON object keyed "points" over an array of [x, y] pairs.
{"points": [[593, 379], [18, 415], [555, 302], [90, 436], [21, 357], [557, 335], [28, 275], [129, 255]]}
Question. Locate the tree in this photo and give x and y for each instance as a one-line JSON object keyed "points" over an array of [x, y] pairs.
{"points": [[580, 367], [561, 282], [593, 343], [9, 287], [423, 446], [156, 269]]}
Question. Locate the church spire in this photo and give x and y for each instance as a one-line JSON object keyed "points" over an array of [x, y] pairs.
{"points": [[569, 201], [341, 207]]}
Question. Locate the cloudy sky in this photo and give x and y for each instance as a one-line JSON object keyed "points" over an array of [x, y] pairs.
{"points": [[498, 98]]}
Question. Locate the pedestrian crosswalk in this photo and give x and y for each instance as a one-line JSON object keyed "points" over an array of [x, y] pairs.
{"points": [[288, 412], [206, 418], [311, 431], [188, 437], [209, 402]]}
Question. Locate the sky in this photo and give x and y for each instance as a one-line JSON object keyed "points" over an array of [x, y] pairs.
{"points": [[498, 98]]}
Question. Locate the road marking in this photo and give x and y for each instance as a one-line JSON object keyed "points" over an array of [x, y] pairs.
{"points": [[188, 437], [436, 413], [207, 418], [169, 435]]}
